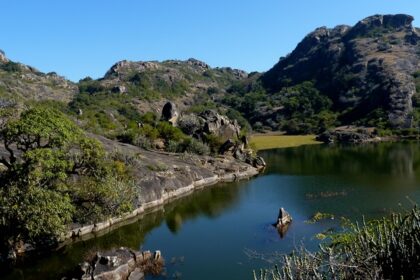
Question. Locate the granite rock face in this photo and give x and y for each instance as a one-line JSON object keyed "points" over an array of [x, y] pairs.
{"points": [[362, 68], [209, 122]]}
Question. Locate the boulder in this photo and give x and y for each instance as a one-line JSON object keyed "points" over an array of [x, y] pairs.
{"points": [[122, 264], [191, 124], [209, 122], [119, 89], [219, 125], [170, 113], [227, 147], [259, 162], [283, 218]]}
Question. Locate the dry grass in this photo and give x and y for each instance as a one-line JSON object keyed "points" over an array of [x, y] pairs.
{"points": [[266, 142]]}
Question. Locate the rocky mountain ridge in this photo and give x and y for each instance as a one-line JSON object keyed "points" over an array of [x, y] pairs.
{"points": [[362, 68]]}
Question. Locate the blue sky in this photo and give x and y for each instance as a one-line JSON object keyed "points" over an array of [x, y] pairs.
{"points": [[79, 38]]}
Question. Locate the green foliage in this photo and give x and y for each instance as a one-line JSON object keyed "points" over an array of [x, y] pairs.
{"points": [[168, 132], [32, 214], [214, 142], [53, 175], [87, 85], [381, 249]]}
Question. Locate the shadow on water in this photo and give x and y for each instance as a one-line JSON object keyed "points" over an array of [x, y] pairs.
{"points": [[395, 161]]}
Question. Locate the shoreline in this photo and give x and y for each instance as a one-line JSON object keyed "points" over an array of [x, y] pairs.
{"points": [[93, 230], [275, 140]]}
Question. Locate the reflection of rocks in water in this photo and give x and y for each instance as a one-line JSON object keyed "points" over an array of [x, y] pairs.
{"points": [[174, 222], [211, 202], [401, 160]]}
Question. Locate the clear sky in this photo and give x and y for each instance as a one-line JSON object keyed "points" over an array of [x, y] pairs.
{"points": [[78, 38]]}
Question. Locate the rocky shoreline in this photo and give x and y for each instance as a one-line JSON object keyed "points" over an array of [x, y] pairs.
{"points": [[166, 196], [121, 263]]}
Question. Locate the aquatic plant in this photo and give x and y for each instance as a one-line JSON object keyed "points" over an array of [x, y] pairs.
{"points": [[388, 248]]}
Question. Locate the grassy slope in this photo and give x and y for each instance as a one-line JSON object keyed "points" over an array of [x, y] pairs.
{"points": [[266, 142]]}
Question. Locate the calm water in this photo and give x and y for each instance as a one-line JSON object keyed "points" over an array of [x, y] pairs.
{"points": [[210, 234]]}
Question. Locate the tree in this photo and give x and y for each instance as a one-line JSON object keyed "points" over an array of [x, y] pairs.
{"points": [[52, 171]]}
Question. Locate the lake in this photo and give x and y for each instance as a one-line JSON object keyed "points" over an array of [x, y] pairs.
{"points": [[225, 231]]}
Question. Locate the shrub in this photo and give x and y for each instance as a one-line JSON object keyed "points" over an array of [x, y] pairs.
{"points": [[194, 146], [169, 132]]}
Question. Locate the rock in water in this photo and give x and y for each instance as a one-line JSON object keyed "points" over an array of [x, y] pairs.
{"points": [[284, 218]]}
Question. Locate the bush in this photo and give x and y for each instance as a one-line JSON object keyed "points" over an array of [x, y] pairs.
{"points": [[194, 146], [169, 132]]}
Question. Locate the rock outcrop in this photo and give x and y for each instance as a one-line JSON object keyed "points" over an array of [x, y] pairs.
{"points": [[283, 221], [121, 264], [350, 135], [170, 113], [3, 58], [20, 82], [363, 68], [209, 122]]}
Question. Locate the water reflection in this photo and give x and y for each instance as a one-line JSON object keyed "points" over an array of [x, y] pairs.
{"points": [[398, 161], [210, 202]]}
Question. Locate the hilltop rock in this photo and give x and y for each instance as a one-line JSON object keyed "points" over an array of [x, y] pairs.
{"points": [[20, 82], [3, 58]]}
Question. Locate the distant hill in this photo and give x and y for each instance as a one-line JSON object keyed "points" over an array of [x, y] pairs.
{"points": [[368, 71], [19, 83]]}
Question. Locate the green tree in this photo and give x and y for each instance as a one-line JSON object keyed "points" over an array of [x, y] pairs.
{"points": [[52, 171]]}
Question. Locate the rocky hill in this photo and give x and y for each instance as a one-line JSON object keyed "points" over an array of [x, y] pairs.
{"points": [[365, 70], [19, 82], [362, 75]]}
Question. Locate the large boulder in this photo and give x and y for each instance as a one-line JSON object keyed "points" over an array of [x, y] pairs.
{"points": [[170, 113], [220, 125], [209, 122]]}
